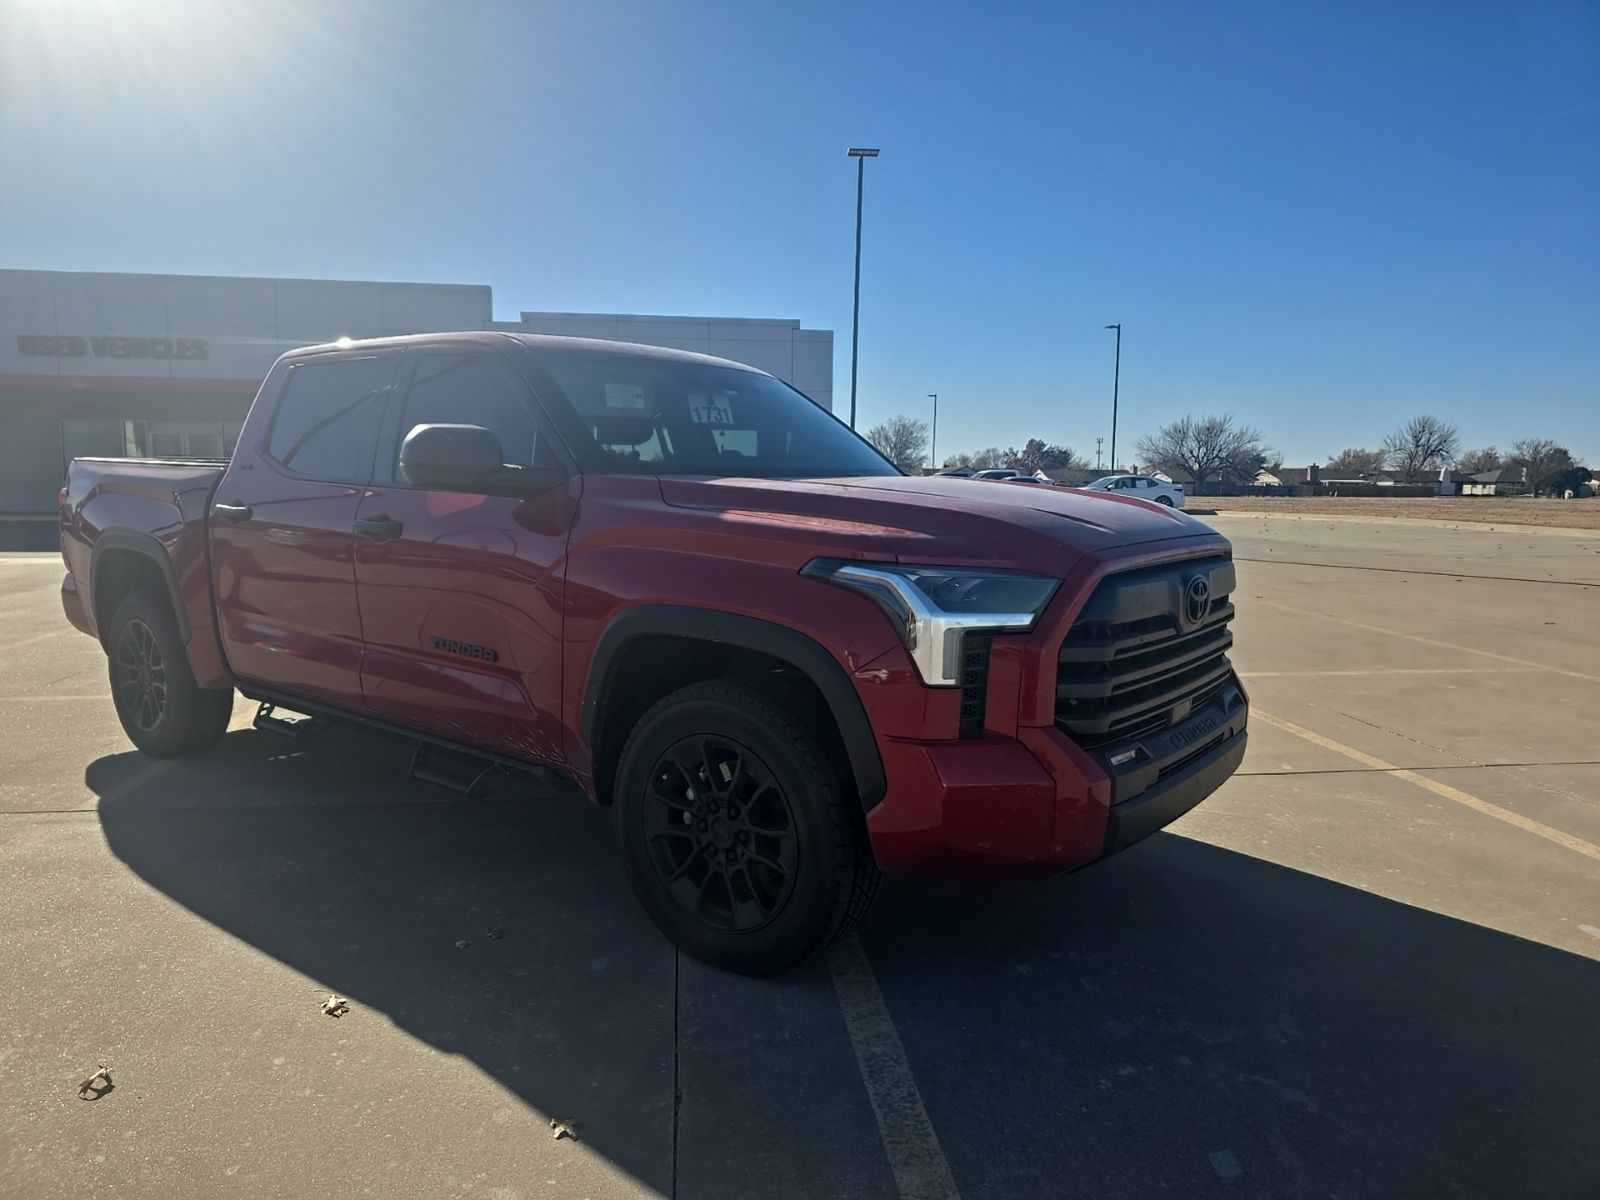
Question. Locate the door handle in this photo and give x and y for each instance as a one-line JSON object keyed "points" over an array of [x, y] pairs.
{"points": [[380, 529], [232, 512]]}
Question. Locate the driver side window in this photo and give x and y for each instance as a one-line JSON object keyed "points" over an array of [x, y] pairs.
{"points": [[472, 389]]}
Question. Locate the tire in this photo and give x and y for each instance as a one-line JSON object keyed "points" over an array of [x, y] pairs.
{"points": [[1167, 500], [163, 711], [739, 837]]}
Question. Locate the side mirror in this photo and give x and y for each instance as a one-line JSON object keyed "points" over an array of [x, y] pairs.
{"points": [[457, 457]]}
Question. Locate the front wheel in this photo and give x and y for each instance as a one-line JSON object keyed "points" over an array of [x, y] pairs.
{"points": [[738, 835], [163, 710]]}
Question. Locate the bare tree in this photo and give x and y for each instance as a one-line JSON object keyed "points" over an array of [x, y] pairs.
{"points": [[952, 461], [988, 459], [1421, 447], [1206, 448], [1354, 463], [1476, 462], [1541, 460], [902, 440], [1036, 456]]}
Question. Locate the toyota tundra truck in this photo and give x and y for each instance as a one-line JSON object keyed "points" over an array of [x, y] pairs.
{"points": [[678, 585]]}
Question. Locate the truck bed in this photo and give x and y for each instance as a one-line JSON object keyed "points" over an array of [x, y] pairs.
{"points": [[156, 508]]}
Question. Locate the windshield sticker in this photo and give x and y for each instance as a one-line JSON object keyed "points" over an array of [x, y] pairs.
{"points": [[626, 397], [709, 410]]}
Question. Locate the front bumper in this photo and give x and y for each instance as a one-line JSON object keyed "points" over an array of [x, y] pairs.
{"points": [[1037, 804]]}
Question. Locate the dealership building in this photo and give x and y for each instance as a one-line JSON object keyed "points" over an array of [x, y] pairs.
{"points": [[165, 366]]}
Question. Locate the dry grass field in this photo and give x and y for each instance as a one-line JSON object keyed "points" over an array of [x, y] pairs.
{"points": [[1476, 510]]}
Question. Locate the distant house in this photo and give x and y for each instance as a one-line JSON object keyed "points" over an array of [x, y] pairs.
{"points": [[1289, 476], [1507, 481]]}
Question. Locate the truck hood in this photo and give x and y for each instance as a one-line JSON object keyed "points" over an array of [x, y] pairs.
{"points": [[939, 518]]}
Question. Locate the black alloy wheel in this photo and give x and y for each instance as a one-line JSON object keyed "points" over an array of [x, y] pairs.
{"points": [[742, 837], [140, 676], [163, 710], [721, 833]]}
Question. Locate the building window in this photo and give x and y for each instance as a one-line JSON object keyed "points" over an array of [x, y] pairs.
{"points": [[147, 439], [95, 439]]}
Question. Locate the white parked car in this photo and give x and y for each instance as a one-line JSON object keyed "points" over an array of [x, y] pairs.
{"points": [[1158, 491]]}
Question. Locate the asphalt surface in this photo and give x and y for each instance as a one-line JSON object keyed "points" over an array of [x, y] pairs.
{"points": [[1368, 966]]}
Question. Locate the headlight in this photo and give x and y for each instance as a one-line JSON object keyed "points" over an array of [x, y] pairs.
{"points": [[933, 608]]}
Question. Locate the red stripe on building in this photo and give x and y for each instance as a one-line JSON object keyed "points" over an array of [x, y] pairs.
{"points": [[128, 383]]}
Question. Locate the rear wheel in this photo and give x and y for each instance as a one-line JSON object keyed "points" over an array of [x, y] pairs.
{"points": [[738, 835], [1167, 500], [163, 710]]}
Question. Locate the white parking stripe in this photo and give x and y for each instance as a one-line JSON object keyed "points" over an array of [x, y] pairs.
{"points": [[915, 1157], [39, 637]]}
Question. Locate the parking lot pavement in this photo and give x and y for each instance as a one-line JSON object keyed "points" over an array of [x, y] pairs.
{"points": [[1368, 966]]}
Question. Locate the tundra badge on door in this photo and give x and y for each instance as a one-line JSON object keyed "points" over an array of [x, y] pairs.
{"points": [[466, 649]]}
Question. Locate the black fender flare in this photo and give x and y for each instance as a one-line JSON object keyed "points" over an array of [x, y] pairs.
{"points": [[797, 649], [147, 546]]}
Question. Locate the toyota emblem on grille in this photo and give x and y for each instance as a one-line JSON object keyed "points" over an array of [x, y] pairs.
{"points": [[1196, 600]]}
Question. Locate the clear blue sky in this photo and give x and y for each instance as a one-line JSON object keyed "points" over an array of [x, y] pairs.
{"points": [[1320, 217]]}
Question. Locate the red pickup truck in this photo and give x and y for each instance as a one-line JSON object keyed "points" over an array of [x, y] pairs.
{"points": [[676, 584]]}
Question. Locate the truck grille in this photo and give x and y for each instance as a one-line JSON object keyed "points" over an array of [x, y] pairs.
{"points": [[1147, 650]]}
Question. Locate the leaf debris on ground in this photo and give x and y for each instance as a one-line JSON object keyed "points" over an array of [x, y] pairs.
{"points": [[563, 1129], [335, 1006], [96, 1085]]}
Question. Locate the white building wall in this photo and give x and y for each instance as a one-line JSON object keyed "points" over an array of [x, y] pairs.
{"points": [[245, 323], [802, 357]]}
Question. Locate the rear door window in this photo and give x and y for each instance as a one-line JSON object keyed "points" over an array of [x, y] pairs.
{"points": [[327, 422]]}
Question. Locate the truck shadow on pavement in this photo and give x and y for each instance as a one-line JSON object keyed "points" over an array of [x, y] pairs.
{"points": [[1181, 1018]]}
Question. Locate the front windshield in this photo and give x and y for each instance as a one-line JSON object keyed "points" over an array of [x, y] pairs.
{"points": [[649, 416]]}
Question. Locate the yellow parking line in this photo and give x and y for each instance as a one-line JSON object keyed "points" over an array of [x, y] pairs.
{"points": [[1465, 799], [915, 1157], [1427, 641]]}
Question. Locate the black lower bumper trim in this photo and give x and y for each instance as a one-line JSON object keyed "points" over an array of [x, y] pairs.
{"points": [[1158, 806]]}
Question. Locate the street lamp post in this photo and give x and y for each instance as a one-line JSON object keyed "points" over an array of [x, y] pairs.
{"points": [[861, 157], [933, 442], [1116, 377]]}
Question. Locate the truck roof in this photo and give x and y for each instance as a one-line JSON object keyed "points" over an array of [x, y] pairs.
{"points": [[542, 343]]}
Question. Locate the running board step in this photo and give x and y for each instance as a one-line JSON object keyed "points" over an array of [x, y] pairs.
{"points": [[296, 730], [468, 774]]}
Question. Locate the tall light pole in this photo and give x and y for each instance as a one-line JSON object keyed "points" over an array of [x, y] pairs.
{"points": [[1116, 377], [933, 442], [861, 157]]}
